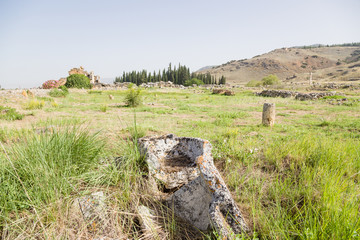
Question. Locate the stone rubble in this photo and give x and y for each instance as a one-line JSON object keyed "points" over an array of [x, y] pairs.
{"points": [[297, 95], [149, 226], [184, 169], [93, 210], [226, 92]]}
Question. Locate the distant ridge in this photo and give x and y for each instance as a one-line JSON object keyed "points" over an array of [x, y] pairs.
{"points": [[206, 68], [326, 63]]}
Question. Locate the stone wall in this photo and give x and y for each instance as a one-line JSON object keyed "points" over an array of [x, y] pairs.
{"points": [[297, 95]]}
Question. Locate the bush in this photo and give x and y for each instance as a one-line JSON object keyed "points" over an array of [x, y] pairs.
{"points": [[133, 97], [49, 84], [35, 104], [103, 108], [253, 83], [77, 81], [63, 92], [270, 80], [10, 114], [193, 81]]}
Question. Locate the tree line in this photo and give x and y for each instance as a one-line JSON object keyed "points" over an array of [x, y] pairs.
{"points": [[178, 75]]}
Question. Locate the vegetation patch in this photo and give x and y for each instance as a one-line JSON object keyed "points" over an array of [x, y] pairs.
{"points": [[266, 81], [61, 92], [95, 92], [254, 83], [34, 104], [78, 81], [333, 97], [193, 81], [10, 114], [133, 97]]}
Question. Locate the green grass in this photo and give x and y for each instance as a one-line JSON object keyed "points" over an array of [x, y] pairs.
{"points": [[296, 180], [95, 92]]}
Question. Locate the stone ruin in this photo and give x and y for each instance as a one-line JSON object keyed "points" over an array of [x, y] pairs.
{"points": [[183, 175], [93, 79], [297, 95], [226, 92]]}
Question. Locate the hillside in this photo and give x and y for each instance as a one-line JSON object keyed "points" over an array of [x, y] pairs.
{"points": [[328, 64]]}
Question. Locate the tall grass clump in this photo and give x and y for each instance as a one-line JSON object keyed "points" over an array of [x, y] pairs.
{"points": [[45, 167], [311, 191], [34, 104]]}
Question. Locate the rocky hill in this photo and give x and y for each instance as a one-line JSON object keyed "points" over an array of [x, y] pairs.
{"points": [[327, 64]]}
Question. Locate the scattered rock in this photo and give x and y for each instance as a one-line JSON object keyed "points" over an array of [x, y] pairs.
{"points": [[93, 209], [313, 96], [24, 93], [277, 93], [149, 226], [30, 94], [229, 93], [61, 82], [190, 183], [218, 91]]}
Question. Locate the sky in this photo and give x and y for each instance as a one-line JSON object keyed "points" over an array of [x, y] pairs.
{"points": [[43, 39]]}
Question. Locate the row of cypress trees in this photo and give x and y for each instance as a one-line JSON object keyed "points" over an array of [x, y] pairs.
{"points": [[175, 75]]}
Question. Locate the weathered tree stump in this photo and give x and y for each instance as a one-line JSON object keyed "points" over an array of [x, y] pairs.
{"points": [[268, 115]]}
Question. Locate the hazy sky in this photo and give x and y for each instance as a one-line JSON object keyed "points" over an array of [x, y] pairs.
{"points": [[43, 39]]}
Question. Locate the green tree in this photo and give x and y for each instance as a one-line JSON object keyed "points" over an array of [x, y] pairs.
{"points": [[133, 97], [77, 81], [192, 81], [270, 80]]}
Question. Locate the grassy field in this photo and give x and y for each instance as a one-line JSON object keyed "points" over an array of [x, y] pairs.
{"points": [[296, 180]]}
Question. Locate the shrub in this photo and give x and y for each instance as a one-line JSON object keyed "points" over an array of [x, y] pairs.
{"points": [[63, 92], [54, 104], [10, 114], [253, 83], [103, 108], [270, 80], [35, 104], [133, 97], [49, 84], [193, 81], [78, 81]]}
